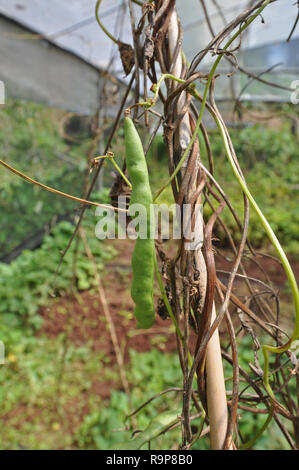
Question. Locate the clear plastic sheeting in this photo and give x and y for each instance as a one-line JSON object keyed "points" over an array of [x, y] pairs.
{"points": [[264, 51], [73, 27], [72, 24], [273, 26], [39, 71], [53, 52]]}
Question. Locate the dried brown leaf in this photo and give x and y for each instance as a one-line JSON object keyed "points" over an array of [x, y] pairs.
{"points": [[127, 56]]}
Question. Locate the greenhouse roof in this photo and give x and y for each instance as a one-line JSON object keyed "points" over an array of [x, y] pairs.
{"points": [[72, 26]]}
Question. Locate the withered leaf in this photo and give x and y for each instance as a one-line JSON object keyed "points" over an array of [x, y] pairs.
{"points": [[127, 56]]}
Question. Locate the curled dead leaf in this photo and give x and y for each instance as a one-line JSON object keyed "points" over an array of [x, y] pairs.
{"points": [[127, 56]]}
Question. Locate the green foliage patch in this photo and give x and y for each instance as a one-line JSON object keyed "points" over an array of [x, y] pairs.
{"points": [[27, 282], [31, 141], [269, 159]]}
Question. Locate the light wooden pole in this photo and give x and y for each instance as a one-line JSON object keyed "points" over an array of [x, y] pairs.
{"points": [[216, 394]]}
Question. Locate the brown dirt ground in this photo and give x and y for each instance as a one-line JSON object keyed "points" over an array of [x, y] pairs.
{"points": [[83, 318]]}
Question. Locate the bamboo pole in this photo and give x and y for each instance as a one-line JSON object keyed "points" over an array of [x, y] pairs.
{"points": [[216, 394]]}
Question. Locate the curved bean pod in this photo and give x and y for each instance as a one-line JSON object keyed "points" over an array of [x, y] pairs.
{"points": [[143, 255]]}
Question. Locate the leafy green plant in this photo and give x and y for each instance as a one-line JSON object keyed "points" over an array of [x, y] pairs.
{"points": [[27, 283], [106, 427], [37, 402], [32, 141], [30, 136], [26, 209]]}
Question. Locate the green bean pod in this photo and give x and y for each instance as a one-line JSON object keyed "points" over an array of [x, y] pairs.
{"points": [[142, 289]]}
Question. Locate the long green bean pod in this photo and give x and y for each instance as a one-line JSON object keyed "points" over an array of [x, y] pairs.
{"points": [[143, 266]]}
